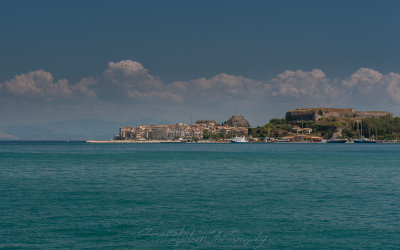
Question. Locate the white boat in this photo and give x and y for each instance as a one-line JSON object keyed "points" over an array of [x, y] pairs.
{"points": [[337, 141], [362, 138], [239, 140], [283, 140]]}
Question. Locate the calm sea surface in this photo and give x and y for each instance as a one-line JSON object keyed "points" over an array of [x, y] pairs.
{"points": [[216, 196]]}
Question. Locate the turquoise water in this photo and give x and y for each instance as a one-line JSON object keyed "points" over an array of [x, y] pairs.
{"points": [[206, 196]]}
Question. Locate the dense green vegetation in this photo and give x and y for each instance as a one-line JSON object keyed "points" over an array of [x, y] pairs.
{"points": [[382, 128], [218, 136], [275, 128]]}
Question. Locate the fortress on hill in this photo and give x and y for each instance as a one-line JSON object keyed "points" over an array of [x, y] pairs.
{"points": [[319, 113]]}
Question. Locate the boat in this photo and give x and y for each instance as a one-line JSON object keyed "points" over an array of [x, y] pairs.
{"points": [[239, 140], [337, 141], [363, 139], [283, 140]]}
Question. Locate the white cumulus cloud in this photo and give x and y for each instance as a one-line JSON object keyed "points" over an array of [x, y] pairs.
{"points": [[130, 79], [302, 84], [367, 82], [41, 84], [37, 83], [364, 80], [393, 86], [129, 88], [86, 86], [221, 88]]}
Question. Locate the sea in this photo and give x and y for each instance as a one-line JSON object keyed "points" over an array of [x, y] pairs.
{"points": [[74, 195]]}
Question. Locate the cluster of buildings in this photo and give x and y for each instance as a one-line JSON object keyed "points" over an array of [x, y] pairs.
{"points": [[299, 138], [238, 126], [235, 126]]}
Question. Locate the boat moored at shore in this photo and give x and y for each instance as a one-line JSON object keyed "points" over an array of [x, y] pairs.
{"points": [[364, 140], [337, 141], [239, 140]]}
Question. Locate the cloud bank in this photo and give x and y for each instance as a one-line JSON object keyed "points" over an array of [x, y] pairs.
{"points": [[127, 88]]}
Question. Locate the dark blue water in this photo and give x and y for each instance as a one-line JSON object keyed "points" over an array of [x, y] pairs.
{"points": [[216, 196]]}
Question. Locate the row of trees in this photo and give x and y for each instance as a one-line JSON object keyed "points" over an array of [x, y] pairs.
{"points": [[275, 128], [385, 127], [217, 136]]}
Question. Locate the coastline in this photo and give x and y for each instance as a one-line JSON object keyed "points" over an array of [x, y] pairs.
{"points": [[151, 141], [203, 142]]}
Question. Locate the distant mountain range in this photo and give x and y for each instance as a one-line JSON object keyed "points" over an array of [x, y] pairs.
{"points": [[83, 129]]}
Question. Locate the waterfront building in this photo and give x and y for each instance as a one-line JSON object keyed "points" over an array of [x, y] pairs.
{"points": [[176, 133], [126, 133], [180, 130], [158, 132]]}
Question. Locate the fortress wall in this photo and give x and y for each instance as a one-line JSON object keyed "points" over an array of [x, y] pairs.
{"points": [[319, 113], [337, 114], [365, 114], [300, 115]]}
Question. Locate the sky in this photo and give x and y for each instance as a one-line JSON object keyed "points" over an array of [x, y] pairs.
{"points": [[180, 60]]}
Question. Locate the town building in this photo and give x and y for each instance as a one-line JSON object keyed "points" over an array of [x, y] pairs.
{"points": [[158, 132], [235, 126]]}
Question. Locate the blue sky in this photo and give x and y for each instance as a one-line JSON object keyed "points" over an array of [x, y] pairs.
{"points": [[184, 41]]}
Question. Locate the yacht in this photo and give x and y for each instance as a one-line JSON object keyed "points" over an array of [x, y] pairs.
{"points": [[362, 138], [337, 141], [239, 140]]}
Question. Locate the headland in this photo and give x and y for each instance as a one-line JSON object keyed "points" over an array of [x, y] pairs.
{"points": [[299, 125]]}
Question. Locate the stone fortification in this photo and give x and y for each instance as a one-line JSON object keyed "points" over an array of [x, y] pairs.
{"points": [[237, 121], [365, 114], [319, 113]]}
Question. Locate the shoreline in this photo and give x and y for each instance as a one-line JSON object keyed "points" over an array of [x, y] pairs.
{"points": [[203, 142], [150, 141]]}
